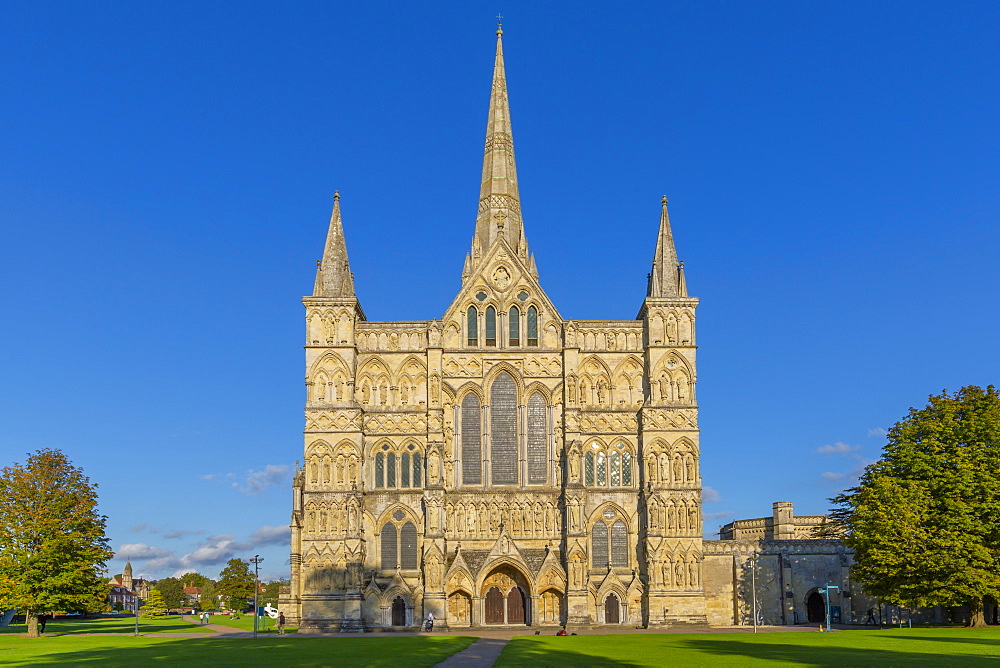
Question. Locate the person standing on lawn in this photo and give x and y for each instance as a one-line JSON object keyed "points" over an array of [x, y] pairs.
{"points": [[281, 623]]}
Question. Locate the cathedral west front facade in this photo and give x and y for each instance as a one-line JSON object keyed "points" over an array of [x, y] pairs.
{"points": [[498, 465]]}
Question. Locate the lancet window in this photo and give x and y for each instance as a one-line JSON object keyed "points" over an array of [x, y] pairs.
{"points": [[398, 543], [532, 326], [608, 467], [491, 326], [503, 430], [472, 445], [473, 326], [609, 541], [514, 322], [398, 469], [537, 452]]}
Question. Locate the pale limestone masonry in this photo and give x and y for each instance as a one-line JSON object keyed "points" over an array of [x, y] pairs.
{"points": [[782, 525], [500, 465]]}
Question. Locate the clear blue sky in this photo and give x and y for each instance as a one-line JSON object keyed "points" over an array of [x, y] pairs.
{"points": [[166, 172]]}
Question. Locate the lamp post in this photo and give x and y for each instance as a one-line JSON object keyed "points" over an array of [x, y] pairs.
{"points": [[256, 587], [135, 612], [826, 595]]}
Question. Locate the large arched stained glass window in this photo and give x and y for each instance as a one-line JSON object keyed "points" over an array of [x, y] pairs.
{"points": [[491, 326], [532, 326], [503, 430], [619, 545], [473, 326], [599, 538], [472, 453], [514, 318], [537, 452], [408, 546], [389, 542]]}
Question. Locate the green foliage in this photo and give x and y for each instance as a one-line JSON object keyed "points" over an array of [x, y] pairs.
{"points": [[271, 591], [924, 520], [236, 584], [154, 606], [52, 542], [172, 591], [209, 596], [193, 579]]}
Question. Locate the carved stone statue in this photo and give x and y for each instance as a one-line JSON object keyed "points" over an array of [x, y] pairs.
{"points": [[574, 466]]}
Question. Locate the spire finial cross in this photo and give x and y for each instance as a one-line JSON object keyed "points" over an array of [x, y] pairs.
{"points": [[664, 200], [499, 24], [336, 194]]}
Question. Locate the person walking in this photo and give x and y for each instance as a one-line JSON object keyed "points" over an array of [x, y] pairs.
{"points": [[430, 621], [41, 622], [281, 623]]}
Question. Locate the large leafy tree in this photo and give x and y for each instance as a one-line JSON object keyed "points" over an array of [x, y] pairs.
{"points": [[209, 596], [924, 520], [154, 606], [236, 584], [172, 591], [271, 591], [193, 579], [52, 542]]}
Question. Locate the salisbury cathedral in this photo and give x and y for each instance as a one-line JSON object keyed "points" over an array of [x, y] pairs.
{"points": [[501, 465]]}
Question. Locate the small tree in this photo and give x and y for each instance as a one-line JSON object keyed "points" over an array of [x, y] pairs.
{"points": [[52, 542], [209, 596], [154, 606], [924, 520], [236, 584]]}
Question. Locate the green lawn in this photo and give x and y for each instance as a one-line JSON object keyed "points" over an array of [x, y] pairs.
{"points": [[896, 647], [168, 624], [404, 652], [245, 623]]}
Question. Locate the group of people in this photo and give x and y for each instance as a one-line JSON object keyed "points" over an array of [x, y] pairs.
{"points": [[206, 616]]}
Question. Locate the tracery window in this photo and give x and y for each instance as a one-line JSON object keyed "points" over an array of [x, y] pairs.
{"points": [[473, 326], [491, 326], [503, 430], [398, 470], [399, 543], [514, 320], [609, 539], [472, 447], [532, 326], [607, 467], [537, 450]]}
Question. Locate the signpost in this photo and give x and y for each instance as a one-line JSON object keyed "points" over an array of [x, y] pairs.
{"points": [[826, 597]]}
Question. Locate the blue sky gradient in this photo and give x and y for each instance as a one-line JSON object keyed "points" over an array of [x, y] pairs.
{"points": [[166, 179]]}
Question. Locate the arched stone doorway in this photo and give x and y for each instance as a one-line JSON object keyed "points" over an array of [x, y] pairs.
{"points": [[398, 611], [815, 608], [506, 597], [612, 610]]}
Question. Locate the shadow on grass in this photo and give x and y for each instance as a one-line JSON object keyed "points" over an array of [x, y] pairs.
{"points": [[770, 653], [994, 641], [415, 652]]}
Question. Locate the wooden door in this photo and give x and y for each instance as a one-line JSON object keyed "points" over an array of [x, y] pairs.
{"points": [[612, 611], [398, 612], [515, 606], [494, 606]]}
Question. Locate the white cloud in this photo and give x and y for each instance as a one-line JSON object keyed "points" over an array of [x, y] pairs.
{"points": [[258, 481], [832, 475], [208, 476], [715, 516], [141, 551], [838, 448], [709, 495], [180, 533], [877, 431]]}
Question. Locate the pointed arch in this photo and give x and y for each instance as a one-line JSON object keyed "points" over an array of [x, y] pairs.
{"points": [[503, 430], [471, 439], [537, 439]]}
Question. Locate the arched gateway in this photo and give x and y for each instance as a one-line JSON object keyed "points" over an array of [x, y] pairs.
{"points": [[506, 597]]}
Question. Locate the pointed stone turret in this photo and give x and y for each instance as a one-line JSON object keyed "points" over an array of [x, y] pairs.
{"points": [[499, 201], [667, 277], [127, 575], [333, 273]]}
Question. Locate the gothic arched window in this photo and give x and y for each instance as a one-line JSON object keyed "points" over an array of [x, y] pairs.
{"points": [[588, 469], [514, 318], [473, 326], [380, 470], [532, 326], [503, 430], [599, 538], [399, 543], [390, 470], [404, 470], [608, 466], [389, 547], [472, 452], [417, 468], [491, 326], [619, 545], [537, 452]]}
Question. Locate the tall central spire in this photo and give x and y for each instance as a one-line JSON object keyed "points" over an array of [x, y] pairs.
{"points": [[499, 202]]}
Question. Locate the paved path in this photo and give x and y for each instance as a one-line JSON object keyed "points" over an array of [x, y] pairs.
{"points": [[479, 654]]}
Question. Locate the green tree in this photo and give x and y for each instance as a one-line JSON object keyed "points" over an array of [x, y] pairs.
{"points": [[236, 584], [209, 596], [173, 592], [924, 520], [271, 591], [193, 579], [52, 542], [154, 606]]}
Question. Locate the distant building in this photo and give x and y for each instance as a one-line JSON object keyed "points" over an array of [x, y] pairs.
{"points": [[126, 588], [781, 525]]}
